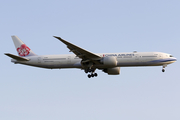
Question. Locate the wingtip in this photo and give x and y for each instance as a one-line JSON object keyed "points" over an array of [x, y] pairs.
{"points": [[56, 37]]}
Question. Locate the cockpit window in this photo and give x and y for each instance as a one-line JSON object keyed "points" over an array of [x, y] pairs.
{"points": [[170, 56]]}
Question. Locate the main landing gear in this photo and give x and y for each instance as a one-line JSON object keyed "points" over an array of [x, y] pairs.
{"points": [[92, 72], [88, 68], [92, 75]]}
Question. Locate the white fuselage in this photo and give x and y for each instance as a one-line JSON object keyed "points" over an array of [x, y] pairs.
{"points": [[109, 63], [123, 60]]}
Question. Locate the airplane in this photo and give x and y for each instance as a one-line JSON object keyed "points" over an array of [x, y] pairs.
{"points": [[109, 63]]}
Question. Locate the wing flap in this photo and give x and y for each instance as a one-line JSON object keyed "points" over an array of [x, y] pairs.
{"points": [[16, 57]]}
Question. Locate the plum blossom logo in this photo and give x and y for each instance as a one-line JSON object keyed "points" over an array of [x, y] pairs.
{"points": [[23, 50]]}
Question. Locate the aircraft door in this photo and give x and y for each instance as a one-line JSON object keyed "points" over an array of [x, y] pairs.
{"points": [[161, 56], [39, 59], [136, 58], [69, 59]]}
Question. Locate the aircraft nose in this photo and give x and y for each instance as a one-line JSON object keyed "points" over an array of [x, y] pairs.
{"points": [[175, 59]]}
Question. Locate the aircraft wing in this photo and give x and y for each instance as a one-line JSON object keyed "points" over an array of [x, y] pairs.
{"points": [[81, 53]]}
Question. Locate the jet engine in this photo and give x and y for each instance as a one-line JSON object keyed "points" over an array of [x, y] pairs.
{"points": [[109, 61], [112, 71]]}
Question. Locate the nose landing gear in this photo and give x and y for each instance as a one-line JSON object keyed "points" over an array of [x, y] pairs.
{"points": [[163, 69]]}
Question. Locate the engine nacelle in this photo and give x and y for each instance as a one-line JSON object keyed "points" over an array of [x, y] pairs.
{"points": [[109, 61], [112, 71]]}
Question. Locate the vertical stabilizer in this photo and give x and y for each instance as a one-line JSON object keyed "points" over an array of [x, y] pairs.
{"points": [[22, 49]]}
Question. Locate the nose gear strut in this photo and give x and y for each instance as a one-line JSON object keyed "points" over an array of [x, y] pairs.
{"points": [[163, 69]]}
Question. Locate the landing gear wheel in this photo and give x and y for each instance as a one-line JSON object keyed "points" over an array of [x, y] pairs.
{"points": [[92, 75], [86, 70], [163, 69], [89, 70], [89, 76], [95, 74]]}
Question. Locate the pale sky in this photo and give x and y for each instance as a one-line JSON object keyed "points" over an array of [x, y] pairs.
{"points": [[138, 93]]}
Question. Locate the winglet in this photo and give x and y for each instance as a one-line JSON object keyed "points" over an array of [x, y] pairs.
{"points": [[56, 37], [60, 39]]}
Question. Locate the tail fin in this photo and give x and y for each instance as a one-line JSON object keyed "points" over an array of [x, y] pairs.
{"points": [[21, 48]]}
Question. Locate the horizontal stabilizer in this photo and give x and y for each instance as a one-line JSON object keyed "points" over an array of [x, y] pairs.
{"points": [[16, 57]]}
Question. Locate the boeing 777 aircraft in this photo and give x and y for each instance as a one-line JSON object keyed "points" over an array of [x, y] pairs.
{"points": [[109, 63]]}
